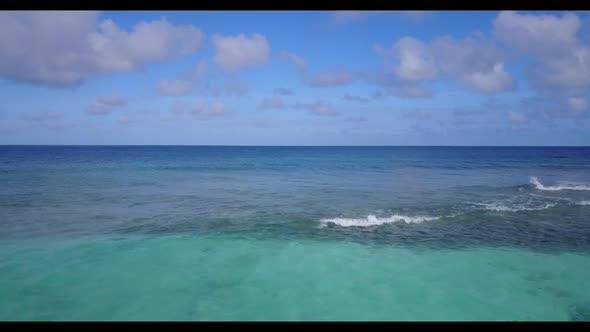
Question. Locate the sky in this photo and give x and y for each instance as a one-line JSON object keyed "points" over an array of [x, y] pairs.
{"points": [[295, 78]]}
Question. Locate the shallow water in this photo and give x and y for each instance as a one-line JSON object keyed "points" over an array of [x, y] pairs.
{"points": [[294, 233]]}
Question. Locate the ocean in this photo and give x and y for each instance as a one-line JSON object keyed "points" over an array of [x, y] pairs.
{"points": [[294, 233]]}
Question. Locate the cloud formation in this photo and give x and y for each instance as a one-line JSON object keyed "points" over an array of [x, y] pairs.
{"points": [[188, 81], [325, 78], [317, 108], [199, 80], [537, 33], [331, 77], [473, 62], [416, 61], [562, 61], [103, 105], [240, 51], [299, 62], [64, 48], [276, 101]]}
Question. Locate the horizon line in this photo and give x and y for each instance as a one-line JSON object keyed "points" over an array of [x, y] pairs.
{"points": [[311, 146]]}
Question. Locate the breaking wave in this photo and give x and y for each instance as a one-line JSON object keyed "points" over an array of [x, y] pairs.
{"points": [[535, 182], [372, 220], [503, 208]]}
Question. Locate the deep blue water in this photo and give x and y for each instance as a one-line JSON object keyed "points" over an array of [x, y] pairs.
{"points": [[287, 191]]}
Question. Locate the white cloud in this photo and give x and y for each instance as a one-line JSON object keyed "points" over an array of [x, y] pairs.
{"points": [[416, 63], [562, 61], [567, 71], [332, 77], [492, 81], [473, 62], [393, 86], [235, 52], [103, 105], [297, 60], [577, 104], [540, 33], [185, 83], [63, 48], [199, 79]]}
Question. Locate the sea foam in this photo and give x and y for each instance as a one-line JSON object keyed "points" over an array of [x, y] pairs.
{"points": [[535, 182], [372, 220], [503, 208]]}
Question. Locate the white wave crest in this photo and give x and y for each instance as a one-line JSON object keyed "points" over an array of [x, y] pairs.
{"points": [[535, 182], [372, 220], [584, 203], [503, 208]]}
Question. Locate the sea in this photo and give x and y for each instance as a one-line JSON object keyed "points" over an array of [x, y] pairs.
{"points": [[269, 233]]}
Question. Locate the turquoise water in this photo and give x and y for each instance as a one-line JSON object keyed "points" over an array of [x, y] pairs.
{"points": [[244, 233]]}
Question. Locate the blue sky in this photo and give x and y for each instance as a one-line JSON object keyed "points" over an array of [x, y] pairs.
{"points": [[295, 78]]}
